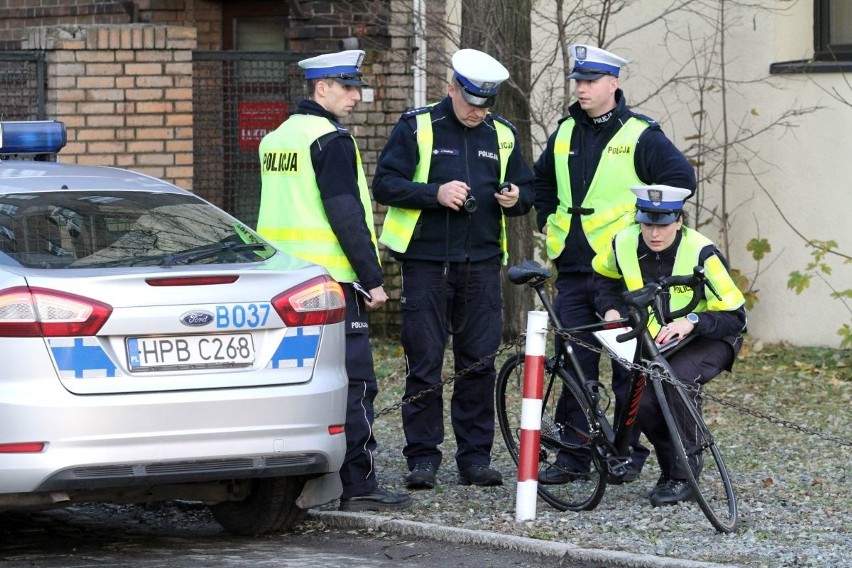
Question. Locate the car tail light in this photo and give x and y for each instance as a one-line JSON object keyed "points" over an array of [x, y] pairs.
{"points": [[318, 301], [22, 448], [39, 312]]}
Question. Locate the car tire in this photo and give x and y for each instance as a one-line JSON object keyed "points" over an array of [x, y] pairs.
{"points": [[270, 506]]}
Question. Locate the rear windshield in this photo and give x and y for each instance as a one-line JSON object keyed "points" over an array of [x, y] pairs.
{"points": [[101, 229]]}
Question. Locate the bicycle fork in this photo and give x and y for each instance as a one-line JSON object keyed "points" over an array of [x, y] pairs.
{"points": [[624, 426]]}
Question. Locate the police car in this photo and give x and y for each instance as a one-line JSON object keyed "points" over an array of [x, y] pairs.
{"points": [[154, 347]]}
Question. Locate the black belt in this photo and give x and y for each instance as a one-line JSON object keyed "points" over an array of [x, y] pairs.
{"points": [[580, 211]]}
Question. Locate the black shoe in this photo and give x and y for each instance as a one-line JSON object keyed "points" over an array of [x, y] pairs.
{"points": [[630, 475], [379, 500], [671, 492], [557, 474], [421, 477], [480, 475], [662, 481]]}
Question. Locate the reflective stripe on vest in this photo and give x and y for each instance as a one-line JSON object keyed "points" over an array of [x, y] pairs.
{"points": [[291, 212], [400, 223], [691, 245], [609, 194]]}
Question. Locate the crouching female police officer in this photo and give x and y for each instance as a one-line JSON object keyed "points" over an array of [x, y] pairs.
{"points": [[659, 245]]}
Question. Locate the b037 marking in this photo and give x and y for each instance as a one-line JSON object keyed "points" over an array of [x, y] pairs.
{"points": [[239, 316]]}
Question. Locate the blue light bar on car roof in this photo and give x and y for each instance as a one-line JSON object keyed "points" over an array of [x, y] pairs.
{"points": [[32, 137]]}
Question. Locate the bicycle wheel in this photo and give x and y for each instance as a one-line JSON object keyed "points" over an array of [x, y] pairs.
{"points": [[583, 484], [695, 445]]}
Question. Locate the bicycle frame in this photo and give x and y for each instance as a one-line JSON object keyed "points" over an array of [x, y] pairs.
{"points": [[617, 435], [582, 449]]}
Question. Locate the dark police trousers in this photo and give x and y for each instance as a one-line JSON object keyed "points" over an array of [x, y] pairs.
{"points": [[468, 302], [694, 365], [575, 305], [358, 474]]}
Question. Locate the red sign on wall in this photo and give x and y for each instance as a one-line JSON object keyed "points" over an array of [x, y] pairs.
{"points": [[257, 118]]}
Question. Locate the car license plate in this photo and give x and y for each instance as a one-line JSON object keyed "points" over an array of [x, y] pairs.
{"points": [[190, 351]]}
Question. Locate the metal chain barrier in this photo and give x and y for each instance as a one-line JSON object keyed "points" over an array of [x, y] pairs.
{"points": [[503, 348], [517, 342], [731, 404]]}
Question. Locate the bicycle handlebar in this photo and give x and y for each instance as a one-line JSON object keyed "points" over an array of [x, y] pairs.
{"points": [[534, 275], [651, 295]]}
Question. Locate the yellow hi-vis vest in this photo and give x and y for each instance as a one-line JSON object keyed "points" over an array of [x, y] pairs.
{"points": [[291, 212], [400, 223], [691, 244], [609, 194]]}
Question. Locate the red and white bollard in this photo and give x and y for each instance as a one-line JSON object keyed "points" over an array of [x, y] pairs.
{"points": [[525, 500]]}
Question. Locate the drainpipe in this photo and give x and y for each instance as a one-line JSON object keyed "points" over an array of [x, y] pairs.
{"points": [[419, 64]]}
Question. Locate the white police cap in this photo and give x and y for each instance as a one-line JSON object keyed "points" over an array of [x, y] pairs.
{"points": [[479, 75], [344, 67], [592, 63], [659, 204]]}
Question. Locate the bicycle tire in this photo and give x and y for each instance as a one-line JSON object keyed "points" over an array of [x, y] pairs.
{"points": [[585, 490], [711, 485]]}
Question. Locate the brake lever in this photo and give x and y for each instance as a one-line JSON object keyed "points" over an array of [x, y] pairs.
{"points": [[658, 308], [701, 275], [712, 289]]}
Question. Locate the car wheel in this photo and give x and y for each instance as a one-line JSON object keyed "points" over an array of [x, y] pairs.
{"points": [[270, 506]]}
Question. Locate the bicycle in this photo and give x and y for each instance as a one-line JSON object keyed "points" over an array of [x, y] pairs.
{"points": [[586, 435]]}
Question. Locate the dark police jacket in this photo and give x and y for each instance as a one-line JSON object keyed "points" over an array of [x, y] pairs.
{"points": [[657, 161], [458, 153]]}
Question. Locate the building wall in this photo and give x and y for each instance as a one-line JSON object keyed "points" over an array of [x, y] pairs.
{"points": [[783, 183], [204, 15], [124, 94]]}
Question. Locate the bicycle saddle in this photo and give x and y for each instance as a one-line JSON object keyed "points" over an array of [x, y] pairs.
{"points": [[528, 270]]}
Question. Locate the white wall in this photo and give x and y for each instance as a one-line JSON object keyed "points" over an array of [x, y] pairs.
{"points": [[806, 168]]}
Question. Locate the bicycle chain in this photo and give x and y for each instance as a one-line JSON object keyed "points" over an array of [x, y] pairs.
{"points": [[735, 405], [506, 346]]}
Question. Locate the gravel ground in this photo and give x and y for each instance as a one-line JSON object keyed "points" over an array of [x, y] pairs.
{"points": [[793, 488]]}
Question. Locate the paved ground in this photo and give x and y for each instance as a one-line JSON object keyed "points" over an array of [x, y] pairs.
{"points": [[565, 554], [183, 535]]}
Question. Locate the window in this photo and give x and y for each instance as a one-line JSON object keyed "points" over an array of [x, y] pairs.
{"points": [[832, 41], [832, 30], [259, 25]]}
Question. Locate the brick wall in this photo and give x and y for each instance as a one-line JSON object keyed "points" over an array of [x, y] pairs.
{"points": [[17, 15], [124, 93], [120, 77]]}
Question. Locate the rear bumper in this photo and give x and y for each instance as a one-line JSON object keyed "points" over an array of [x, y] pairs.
{"points": [[149, 439], [164, 473]]}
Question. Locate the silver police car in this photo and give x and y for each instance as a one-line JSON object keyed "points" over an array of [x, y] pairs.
{"points": [[154, 347]]}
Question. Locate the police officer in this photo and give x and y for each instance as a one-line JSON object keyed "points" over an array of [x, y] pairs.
{"points": [[659, 245], [315, 205], [582, 200], [440, 173]]}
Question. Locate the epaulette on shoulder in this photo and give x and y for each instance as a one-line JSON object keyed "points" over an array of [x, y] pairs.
{"points": [[342, 130], [415, 111], [647, 119], [499, 118], [564, 118]]}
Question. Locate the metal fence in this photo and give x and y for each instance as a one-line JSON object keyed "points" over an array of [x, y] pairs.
{"points": [[237, 98], [22, 85]]}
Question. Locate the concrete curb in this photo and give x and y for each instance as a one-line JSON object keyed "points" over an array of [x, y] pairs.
{"points": [[564, 551]]}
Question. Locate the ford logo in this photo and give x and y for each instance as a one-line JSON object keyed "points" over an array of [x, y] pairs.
{"points": [[196, 319]]}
